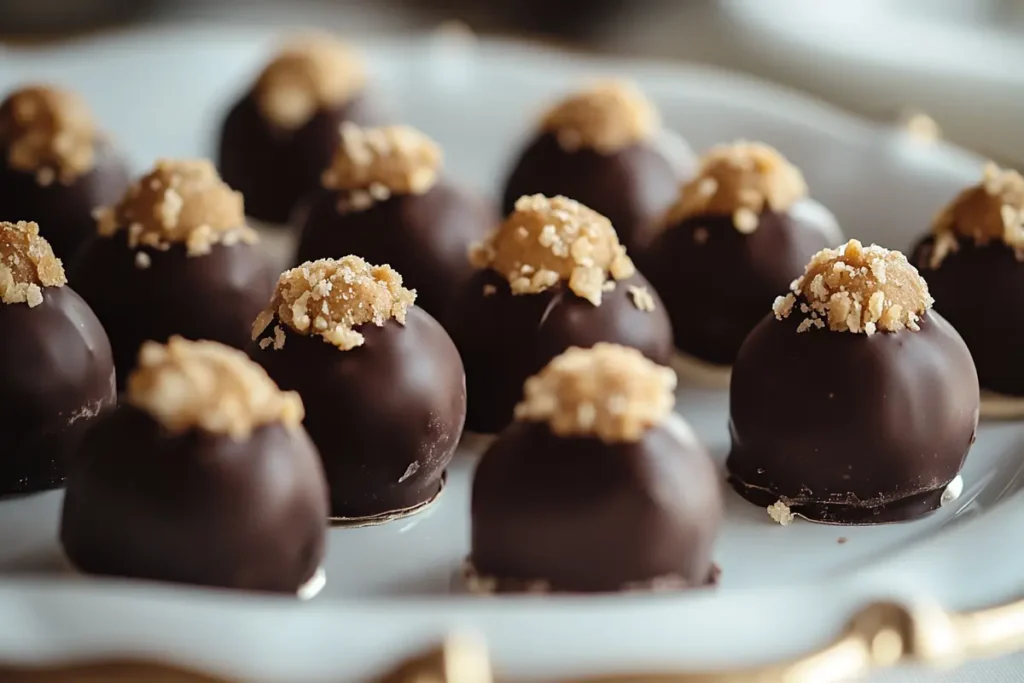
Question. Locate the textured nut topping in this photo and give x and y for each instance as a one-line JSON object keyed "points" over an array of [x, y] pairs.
{"points": [[545, 241], [208, 386], [27, 264], [606, 118], [740, 180], [331, 298], [609, 391], [179, 202], [857, 289], [317, 73], [49, 132], [992, 211]]}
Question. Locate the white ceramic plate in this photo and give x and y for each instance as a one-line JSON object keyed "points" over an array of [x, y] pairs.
{"points": [[388, 587]]}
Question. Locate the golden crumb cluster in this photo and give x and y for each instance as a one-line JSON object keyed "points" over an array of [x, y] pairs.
{"points": [[549, 240], [609, 391], [607, 117], [48, 132], [205, 385], [315, 73], [371, 164], [857, 289], [992, 211], [27, 264], [179, 202], [331, 298], [740, 180]]}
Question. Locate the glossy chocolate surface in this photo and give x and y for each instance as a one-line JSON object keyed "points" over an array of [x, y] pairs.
{"points": [[196, 507], [386, 416], [851, 428], [56, 376], [506, 338], [632, 187], [215, 296], [424, 237], [273, 167], [586, 516]]}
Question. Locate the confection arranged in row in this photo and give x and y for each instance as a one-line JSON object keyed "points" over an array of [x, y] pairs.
{"points": [[208, 422]]}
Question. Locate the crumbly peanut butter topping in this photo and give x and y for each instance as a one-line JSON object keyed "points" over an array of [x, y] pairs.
{"points": [[179, 202], [331, 298], [545, 241], [316, 72], [740, 180], [991, 211], [208, 386], [607, 117], [609, 391], [857, 289], [27, 264], [49, 132]]}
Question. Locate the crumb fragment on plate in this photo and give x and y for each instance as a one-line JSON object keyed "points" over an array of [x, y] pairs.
{"points": [[780, 513]]}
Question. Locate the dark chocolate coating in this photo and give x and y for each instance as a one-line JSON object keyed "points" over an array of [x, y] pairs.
{"points": [[632, 187], [63, 212], [587, 516], [976, 289], [195, 507], [850, 428], [56, 376], [274, 167], [504, 338], [424, 237], [386, 416], [718, 290], [215, 296]]}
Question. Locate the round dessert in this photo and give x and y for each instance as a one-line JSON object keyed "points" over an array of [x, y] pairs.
{"points": [[56, 370], [974, 264], [597, 486], [203, 475], [281, 135], [383, 385], [174, 257], [605, 148], [855, 403], [384, 200], [55, 166], [552, 276]]}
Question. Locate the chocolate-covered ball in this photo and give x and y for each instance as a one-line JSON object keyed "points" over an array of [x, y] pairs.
{"points": [[974, 263], [384, 200], [603, 147], [203, 475], [552, 276], [855, 403], [277, 140], [597, 486], [56, 370], [383, 386], [739, 234], [55, 166], [174, 257]]}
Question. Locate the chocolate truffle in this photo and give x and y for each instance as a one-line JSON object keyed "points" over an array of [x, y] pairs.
{"points": [[281, 135], [605, 148], [385, 200], [56, 370], [974, 263], [739, 234], [855, 402], [383, 385], [174, 257], [553, 275], [203, 475], [55, 166], [597, 486]]}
